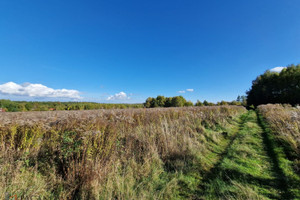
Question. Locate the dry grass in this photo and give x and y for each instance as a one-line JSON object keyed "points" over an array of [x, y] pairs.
{"points": [[106, 154], [284, 122]]}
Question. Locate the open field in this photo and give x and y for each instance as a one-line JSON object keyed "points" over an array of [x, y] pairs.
{"points": [[217, 152], [149, 100]]}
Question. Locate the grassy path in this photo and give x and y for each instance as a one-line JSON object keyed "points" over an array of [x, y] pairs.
{"points": [[248, 167]]}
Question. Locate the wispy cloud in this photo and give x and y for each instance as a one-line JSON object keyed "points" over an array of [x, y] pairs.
{"points": [[37, 90], [277, 69], [184, 91], [118, 96]]}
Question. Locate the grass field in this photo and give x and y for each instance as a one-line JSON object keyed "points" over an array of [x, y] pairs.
{"points": [[218, 152]]}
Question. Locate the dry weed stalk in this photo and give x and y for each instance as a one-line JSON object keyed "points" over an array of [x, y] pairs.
{"points": [[105, 154]]}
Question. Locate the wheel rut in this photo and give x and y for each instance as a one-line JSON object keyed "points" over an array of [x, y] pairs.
{"points": [[247, 168]]}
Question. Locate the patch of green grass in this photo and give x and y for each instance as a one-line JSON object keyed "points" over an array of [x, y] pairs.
{"points": [[246, 171]]}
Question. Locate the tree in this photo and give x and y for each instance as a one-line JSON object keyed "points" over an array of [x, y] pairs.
{"points": [[244, 100], [168, 102], [161, 100], [178, 101], [205, 103], [223, 103], [188, 103], [154, 103], [276, 87], [198, 103], [147, 104]]}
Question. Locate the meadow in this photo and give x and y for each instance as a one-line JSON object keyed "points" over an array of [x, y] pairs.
{"points": [[209, 152]]}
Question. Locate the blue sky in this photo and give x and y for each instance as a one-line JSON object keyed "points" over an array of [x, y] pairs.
{"points": [[126, 51]]}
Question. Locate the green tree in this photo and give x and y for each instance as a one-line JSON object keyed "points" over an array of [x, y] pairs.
{"points": [[154, 103], [161, 100], [198, 103], [205, 103], [222, 103], [276, 87], [168, 102], [178, 101], [188, 103]]}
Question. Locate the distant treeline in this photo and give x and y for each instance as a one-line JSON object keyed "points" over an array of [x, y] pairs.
{"points": [[160, 101], [274, 87], [180, 101], [16, 106]]}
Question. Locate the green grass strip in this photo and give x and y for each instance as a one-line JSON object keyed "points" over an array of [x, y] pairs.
{"points": [[246, 170]]}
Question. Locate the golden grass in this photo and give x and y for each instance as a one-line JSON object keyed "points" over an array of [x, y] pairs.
{"points": [[106, 154]]}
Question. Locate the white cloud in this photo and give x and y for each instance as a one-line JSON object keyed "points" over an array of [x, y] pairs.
{"points": [[118, 96], [277, 69], [37, 90], [187, 90]]}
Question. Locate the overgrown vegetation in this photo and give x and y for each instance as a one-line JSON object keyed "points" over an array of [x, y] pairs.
{"points": [[112, 154], [209, 152]]}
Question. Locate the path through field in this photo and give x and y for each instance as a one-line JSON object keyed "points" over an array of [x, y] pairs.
{"points": [[248, 168]]}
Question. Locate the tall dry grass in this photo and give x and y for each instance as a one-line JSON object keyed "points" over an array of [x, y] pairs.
{"points": [[284, 122], [107, 154]]}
